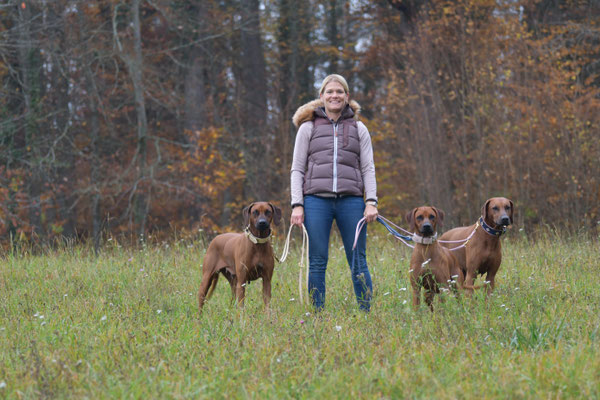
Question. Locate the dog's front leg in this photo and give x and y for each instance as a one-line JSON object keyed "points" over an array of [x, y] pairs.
{"points": [[416, 291], [240, 293], [491, 278], [266, 291], [471, 275], [240, 284]]}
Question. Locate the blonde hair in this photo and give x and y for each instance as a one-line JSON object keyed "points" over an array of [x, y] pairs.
{"points": [[334, 78]]}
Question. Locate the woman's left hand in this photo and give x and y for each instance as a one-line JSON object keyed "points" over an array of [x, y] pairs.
{"points": [[370, 213]]}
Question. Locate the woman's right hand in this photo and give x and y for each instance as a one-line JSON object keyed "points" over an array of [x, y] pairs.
{"points": [[297, 217]]}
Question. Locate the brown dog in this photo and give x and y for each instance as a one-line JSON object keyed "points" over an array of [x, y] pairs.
{"points": [[431, 265], [242, 257], [483, 252]]}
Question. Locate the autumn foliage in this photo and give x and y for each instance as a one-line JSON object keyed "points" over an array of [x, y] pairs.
{"points": [[128, 118]]}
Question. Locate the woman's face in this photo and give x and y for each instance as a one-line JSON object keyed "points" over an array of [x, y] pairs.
{"points": [[334, 97]]}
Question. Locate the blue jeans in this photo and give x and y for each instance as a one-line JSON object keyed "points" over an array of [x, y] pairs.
{"points": [[319, 213]]}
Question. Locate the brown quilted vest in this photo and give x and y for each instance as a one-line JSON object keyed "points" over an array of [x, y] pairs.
{"points": [[328, 172]]}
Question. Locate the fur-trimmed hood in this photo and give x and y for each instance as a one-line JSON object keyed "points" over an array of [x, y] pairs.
{"points": [[307, 111]]}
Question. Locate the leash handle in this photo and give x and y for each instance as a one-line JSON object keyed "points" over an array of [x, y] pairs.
{"points": [[286, 246], [354, 267], [303, 258], [362, 222]]}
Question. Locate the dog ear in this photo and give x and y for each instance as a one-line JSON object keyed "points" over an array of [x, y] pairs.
{"points": [[410, 217], [440, 216], [246, 213], [276, 214], [512, 210], [484, 209]]}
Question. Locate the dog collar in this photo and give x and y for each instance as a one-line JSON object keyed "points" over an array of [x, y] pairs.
{"points": [[424, 240], [489, 229], [254, 239]]}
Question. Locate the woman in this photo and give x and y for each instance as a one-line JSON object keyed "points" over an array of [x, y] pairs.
{"points": [[333, 177]]}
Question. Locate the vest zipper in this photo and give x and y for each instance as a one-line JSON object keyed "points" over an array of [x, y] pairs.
{"points": [[335, 154]]}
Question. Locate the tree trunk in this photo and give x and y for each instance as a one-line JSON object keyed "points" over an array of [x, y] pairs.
{"points": [[194, 89], [195, 107], [29, 61], [295, 84], [135, 65], [333, 38], [254, 103]]}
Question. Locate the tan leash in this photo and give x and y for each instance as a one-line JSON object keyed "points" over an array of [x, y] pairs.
{"points": [[303, 258]]}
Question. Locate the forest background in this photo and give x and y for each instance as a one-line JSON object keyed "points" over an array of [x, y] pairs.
{"points": [[158, 117]]}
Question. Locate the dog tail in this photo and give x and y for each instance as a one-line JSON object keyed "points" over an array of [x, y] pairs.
{"points": [[213, 284]]}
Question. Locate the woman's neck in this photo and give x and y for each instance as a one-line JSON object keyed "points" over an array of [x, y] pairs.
{"points": [[333, 116]]}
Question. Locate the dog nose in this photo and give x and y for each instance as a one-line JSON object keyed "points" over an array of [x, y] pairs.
{"points": [[426, 228], [262, 224], [505, 220]]}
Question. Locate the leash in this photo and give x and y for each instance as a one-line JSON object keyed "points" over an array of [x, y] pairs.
{"points": [[355, 267], [386, 223], [405, 239], [463, 241], [480, 222], [303, 257]]}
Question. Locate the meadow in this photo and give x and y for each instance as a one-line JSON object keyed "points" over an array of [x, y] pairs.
{"points": [[125, 324]]}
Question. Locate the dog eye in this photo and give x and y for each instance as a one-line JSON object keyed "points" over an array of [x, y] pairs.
{"points": [[431, 216], [267, 213], [255, 212], [495, 208], [507, 208], [420, 218]]}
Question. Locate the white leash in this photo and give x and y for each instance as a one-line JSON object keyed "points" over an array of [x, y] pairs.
{"points": [[303, 257], [461, 240]]}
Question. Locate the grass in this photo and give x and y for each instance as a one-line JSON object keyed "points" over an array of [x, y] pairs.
{"points": [[125, 325]]}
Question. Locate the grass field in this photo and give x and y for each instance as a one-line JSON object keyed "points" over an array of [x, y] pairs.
{"points": [[125, 325]]}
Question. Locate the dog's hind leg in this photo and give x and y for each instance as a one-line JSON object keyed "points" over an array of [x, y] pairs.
{"points": [[232, 282]]}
